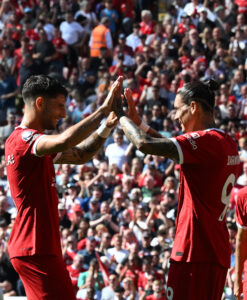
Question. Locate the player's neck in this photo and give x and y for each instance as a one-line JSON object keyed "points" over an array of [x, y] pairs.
{"points": [[31, 121], [208, 122], [204, 122]]}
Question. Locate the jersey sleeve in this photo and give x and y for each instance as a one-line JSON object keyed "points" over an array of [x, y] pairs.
{"points": [[31, 139], [241, 212], [195, 147], [34, 148]]}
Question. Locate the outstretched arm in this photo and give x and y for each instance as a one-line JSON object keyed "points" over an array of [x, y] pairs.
{"points": [[89, 147], [146, 143]]}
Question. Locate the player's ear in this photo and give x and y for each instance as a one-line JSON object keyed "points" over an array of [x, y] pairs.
{"points": [[39, 103], [193, 107]]}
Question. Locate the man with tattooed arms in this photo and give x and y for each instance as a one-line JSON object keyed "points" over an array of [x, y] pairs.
{"points": [[209, 163], [34, 245]]}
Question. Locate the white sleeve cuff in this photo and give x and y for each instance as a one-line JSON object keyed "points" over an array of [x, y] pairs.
{"points": [[35, 145], [180, 152]]}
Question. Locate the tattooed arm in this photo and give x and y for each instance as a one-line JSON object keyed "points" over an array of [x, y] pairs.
{"points": [[84, 151], [147, 144], [143, 141]]}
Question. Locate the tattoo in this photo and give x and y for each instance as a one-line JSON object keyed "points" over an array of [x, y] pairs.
{"points": [[147, 144], [133, 132], [82, 152], [92, 143]]}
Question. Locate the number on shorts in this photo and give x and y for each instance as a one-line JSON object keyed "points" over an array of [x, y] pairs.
{"points": [[169, 293], [224, 197]]}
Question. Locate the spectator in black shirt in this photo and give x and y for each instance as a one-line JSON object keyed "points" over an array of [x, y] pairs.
{"points": [[64, 221], [28, 67], [44, 52]]}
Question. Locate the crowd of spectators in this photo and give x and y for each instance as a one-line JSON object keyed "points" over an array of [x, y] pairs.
{"points": [[121, 206]]}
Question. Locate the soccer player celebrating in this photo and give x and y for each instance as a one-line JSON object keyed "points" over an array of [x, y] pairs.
{"points": [[34, 245], [209, 164]]}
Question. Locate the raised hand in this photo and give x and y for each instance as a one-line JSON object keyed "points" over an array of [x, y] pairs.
{"points": [[132, 113], [113, 94], [112, 120], [117, 106]]}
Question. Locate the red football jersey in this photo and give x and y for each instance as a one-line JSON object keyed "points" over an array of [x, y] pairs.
{"points": [[209, 166], [241, 216], [241, 208], [33, 188], [74, 274]]}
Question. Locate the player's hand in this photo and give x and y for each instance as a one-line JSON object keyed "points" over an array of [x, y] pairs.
{"points": [[132, 113], [114, 93], [112, 120], [238, 289]]}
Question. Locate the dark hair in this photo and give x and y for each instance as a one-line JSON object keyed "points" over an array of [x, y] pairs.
{"points": [[146, 260], [119, 289], [201, 92], [98, 187], [42, 86], [25, 39]]}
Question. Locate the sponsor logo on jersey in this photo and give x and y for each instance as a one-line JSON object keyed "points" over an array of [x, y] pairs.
{"points": [[233, 160], [26, 135], [191, 140], [29, 136]]}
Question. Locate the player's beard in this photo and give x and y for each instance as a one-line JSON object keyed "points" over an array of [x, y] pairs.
{"points": [[49, 122]]}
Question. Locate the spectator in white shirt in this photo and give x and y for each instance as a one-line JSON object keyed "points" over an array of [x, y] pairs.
{"points": [[72, 32], [133, 40], [117, 254], [85, 11], [116, 152]]}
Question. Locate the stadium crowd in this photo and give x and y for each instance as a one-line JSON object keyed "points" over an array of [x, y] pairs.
{"points": [[118, 211]]}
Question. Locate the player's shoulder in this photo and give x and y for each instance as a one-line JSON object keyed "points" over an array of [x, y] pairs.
{"points": [[12, 138], [201, 136], [216, 133], [21, 136], [218, 136], [213, 132]]}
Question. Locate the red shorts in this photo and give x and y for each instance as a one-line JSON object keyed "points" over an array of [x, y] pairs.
{"points": [[44, 277], [194, 281]]}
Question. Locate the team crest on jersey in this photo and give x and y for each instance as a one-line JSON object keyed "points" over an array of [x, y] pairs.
{"points": [[26, 135]]}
